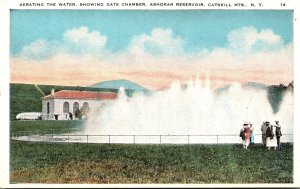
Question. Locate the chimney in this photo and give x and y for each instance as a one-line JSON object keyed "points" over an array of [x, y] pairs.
{"points": [[52, 92]]}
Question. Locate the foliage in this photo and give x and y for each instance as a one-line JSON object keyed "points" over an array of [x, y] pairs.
{"points": [[275, 94], [78, 114], [24, 98]]}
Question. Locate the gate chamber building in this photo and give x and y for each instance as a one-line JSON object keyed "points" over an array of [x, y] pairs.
{"points": [[62, 105]]}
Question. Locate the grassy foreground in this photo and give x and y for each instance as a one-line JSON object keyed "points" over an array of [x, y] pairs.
{"points": [[41, 162], [44, 126], [119, 163]]}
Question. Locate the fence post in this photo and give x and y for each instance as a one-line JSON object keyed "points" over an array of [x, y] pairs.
{"points": [[133, 139]]}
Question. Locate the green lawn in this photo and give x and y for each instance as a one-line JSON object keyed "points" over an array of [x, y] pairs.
{"points": [[34, 162], [119, 163], [44, 126]]}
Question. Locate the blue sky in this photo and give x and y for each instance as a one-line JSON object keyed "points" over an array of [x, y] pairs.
{"points": [[198, 28], [151, 47]]}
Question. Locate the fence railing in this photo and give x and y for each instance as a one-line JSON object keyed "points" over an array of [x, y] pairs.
{"points": [[140, 139]]}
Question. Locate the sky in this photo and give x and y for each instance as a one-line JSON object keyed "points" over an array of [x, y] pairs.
{"points": [[151, 47]]}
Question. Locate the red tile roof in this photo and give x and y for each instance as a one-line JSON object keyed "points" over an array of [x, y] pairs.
{"points": [[68, 94]]}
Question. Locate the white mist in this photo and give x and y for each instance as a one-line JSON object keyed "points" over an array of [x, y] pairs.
{"points": [[196, 110]]}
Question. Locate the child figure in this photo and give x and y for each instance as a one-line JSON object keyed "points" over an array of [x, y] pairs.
{"points": [[278, 134]]}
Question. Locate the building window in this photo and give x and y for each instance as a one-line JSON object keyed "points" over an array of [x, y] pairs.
{"points": [[75, 107], [86, 107], [66, 107], [48, 107]]}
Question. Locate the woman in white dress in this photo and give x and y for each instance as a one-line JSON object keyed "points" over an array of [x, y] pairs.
{"points": [[271, 139]]}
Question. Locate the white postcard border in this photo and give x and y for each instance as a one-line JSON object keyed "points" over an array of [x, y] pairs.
{"points": [[5, 7]]}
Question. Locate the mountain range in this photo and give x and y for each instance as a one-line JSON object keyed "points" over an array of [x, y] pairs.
{"points": [[117, 84], [254, 85], [129, 85]]}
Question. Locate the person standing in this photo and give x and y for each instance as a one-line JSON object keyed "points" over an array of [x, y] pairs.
{"points": [[247, 136], [278, 134], [271, 141], [263, 131], [251, 134]]}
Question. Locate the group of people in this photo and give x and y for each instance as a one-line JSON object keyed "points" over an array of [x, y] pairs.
{"points": [[270, 135], [247, 134]]}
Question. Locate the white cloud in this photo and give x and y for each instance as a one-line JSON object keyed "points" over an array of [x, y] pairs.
{"points": [[247, 40], [250, 55], [159, 42], [82, 36], [247, 48], [39, 49], [77, 41]]}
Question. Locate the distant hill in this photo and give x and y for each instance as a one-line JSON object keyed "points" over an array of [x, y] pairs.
{"points": [[116, 84], [254, 85]]}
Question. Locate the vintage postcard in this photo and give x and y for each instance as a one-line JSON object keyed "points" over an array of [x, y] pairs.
{"points": [[140, 93]]}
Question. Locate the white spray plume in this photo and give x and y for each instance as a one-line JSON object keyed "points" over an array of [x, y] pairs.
{"points": [[195, 110]]}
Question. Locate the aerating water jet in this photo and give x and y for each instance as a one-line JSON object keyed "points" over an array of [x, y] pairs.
{"points": [[191, 110]]}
